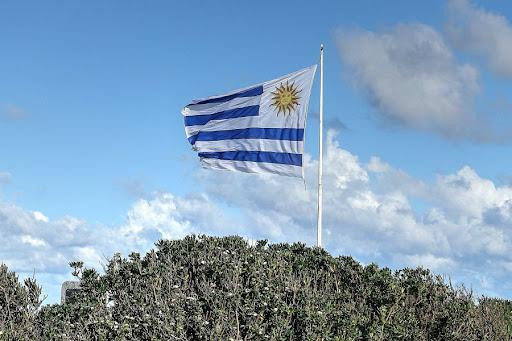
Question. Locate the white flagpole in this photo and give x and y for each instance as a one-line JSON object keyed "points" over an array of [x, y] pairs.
{"points": [[320, 158]]}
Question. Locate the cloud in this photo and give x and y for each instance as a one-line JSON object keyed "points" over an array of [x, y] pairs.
{"points": [[377, 166], [410, 76], [31, 241], [486, 34], [13, 112], [336, 124], [166, 216], [333, 123], [5, 177], [133, 188], [369, 214], [428, 260], [465, 230]]}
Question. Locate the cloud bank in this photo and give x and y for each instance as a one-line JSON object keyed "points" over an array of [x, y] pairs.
{"points": [[486, 34], [370, 212], [409, 75]]}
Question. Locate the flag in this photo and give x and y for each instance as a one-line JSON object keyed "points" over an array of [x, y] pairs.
{"points": [[258, 129]]}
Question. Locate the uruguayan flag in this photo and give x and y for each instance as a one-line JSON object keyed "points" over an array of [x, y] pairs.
{"points": [[259, 129]]}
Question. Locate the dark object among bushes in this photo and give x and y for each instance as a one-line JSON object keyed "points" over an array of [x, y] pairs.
{"points": [[205, 288]]}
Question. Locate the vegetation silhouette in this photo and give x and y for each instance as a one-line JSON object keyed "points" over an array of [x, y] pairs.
{"points": [[209, 288]]}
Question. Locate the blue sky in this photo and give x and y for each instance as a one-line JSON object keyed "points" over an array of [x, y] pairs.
{"points": [[417, 102]]}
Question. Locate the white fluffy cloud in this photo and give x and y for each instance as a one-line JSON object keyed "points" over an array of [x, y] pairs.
{"points": [[484, 33], [166, 216], [410, 76], [30, 241], [369, 213]]}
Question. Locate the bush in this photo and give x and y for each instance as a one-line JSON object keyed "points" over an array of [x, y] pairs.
{"points": [[18, 306], [205, 288]]}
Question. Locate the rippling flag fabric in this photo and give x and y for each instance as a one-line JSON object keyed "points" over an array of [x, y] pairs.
{"points": [[258, 129]]}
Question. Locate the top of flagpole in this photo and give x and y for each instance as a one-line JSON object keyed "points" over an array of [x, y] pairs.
{"points": [[321, 47]]}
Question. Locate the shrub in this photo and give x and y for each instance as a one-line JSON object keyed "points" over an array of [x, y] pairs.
{"points": [[205, 288], [18, 306]]}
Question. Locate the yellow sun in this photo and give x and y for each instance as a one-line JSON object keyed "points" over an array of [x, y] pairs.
{"points": [[285, 98]]}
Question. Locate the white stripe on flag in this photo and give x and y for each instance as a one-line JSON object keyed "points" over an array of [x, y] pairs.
{"points": [[212, 108], [227, 124], [252, 167], [239, 123], [278, 146]]}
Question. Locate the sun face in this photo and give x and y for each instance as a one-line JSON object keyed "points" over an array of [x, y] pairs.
{"points": [[286, 98]]}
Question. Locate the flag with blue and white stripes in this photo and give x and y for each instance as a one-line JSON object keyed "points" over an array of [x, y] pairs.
{"points": [[258, 129]]}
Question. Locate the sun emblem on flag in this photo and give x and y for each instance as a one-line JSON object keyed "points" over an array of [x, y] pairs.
{"points": [[286, 98]]}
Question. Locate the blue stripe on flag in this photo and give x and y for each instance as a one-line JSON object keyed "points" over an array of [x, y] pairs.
{"points": [[252, 110], [289, 134], [271, 157], [246, 93]]}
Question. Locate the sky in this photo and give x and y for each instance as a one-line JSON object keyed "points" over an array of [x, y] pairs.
{"points": [[418, 128]]}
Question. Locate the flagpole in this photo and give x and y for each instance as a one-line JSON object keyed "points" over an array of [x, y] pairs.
{"points": [[320, 158]]}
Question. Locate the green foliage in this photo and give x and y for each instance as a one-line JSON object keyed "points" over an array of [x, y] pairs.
{"points": [[205, 288], [18, 306]]}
